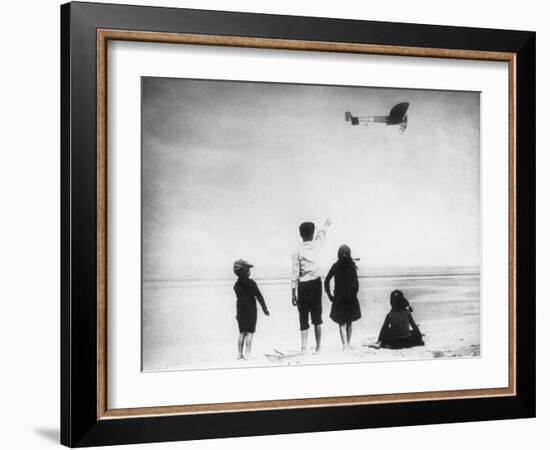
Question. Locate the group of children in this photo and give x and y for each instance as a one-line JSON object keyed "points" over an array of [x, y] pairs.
{"points": [[399, 329]]}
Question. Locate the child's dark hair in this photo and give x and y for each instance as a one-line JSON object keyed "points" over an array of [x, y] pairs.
{"points": [[307, 229], [398, 301], [344, 256]]}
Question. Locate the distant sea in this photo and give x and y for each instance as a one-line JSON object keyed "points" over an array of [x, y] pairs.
{"points": [[279, 275]]}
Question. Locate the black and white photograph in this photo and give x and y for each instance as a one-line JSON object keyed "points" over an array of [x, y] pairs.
{"points": [[287, 224], [291, 224]]}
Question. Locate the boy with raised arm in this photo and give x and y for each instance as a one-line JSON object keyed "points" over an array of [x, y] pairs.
{"points": [[306, 281]]}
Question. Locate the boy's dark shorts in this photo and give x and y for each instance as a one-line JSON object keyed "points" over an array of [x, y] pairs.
{"points": [[309, 302]]}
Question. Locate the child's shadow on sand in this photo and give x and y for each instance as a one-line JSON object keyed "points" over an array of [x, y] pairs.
{"points": [[50, 434]]}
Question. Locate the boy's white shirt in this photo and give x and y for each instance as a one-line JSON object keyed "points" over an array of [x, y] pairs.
{"points": [[305, 259]]}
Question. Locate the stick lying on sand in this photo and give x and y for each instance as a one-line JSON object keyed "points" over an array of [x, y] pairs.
{"points": [[280, 356]]}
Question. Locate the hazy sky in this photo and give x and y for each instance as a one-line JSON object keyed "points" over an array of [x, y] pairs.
{"points": [[230, 169]]}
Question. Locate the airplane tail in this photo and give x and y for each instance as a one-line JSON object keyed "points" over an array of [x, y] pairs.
{"points": [[352, 119]]}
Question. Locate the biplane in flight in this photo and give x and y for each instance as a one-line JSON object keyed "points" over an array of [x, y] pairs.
{"points": [[397, 116]]}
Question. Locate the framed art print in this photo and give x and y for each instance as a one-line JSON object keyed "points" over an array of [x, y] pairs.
{"points": [[277, 224]]}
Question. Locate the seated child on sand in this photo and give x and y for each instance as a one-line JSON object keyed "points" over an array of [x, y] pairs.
{"points": [[396, 331]]}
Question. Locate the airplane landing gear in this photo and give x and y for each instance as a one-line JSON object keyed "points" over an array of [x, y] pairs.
{"points": [[403, 125]]}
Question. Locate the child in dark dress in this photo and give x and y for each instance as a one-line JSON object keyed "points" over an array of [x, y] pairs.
{"points": [[399, 329], [247, 293], [345, 305]]}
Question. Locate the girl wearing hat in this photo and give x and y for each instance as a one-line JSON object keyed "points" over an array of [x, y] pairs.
{"points": [[247, 293], [345, 305]]}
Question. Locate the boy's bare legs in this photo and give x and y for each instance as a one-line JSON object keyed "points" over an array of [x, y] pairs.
{"points": [[303, 336], [240, 345], [343, 329], [348, 334], [248, 344], [317, 338]]}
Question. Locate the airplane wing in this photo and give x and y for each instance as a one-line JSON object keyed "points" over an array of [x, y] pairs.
{"points": [[398, 113]]}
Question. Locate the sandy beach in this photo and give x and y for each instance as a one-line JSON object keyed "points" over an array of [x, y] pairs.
{"points": [[192, 325]]}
